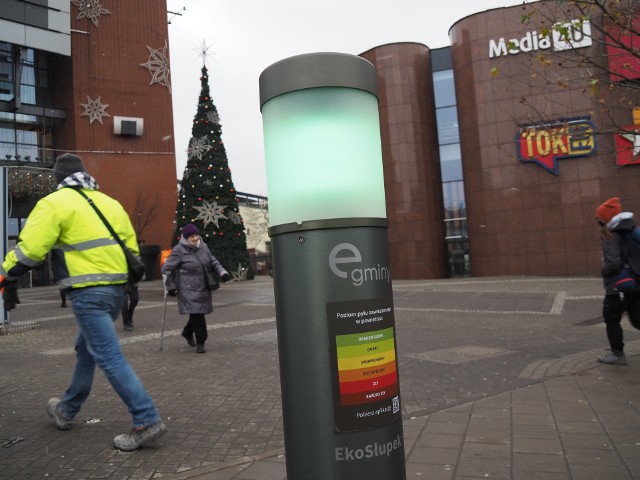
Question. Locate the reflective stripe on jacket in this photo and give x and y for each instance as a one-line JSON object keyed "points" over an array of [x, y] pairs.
{"points": [[64, 219]]}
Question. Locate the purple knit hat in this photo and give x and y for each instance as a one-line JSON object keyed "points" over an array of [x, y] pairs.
{"points": [[189, 229]]}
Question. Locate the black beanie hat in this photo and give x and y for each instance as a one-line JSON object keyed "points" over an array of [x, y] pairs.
{"points": [[67, 164], [189, 229]]}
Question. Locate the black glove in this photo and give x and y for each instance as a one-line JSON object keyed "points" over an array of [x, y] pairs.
{"points": [[172, 293], [225, 277], [9, 294]]}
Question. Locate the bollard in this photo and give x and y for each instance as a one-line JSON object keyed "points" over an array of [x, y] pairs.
{"points": [[4, 191], [333, 292]]}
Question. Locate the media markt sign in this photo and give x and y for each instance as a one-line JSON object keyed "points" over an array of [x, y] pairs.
{"points": [[563, 36], [545, 144]]}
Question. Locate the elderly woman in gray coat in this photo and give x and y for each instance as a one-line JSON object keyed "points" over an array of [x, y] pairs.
{"points": [[185, 278]]}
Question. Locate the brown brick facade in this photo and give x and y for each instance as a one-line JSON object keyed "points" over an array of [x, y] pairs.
{"points": [[524, 220], [410, 157], [105, 63]]}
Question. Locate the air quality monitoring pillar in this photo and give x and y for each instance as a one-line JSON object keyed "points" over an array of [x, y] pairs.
{"points": [[334, 305]]}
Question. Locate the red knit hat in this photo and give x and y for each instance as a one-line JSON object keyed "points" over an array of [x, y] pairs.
{"points": [[609, 209]]}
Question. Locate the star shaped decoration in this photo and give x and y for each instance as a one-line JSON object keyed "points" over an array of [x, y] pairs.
{"points": [[240, 274], [213, 117], [198, 147], [235, 218], [94, 109], [90, 9], [635, 139], [210, 213], [158, 65]]}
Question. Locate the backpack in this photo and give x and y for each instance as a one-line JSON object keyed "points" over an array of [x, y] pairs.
{"points": [[631, 249], [628, 277]]}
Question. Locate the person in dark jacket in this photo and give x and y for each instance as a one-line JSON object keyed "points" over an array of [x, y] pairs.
{"points": [[185, 278], [130, 302], [614, 226], [60, 272]]}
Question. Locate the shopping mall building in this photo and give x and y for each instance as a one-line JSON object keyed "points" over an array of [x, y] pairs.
{"points": [[496, 149]]}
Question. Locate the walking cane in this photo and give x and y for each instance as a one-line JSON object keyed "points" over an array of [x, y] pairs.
{"points": [[164, 310]]}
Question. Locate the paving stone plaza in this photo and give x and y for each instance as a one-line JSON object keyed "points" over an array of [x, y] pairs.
{"points": [[498, 379]]}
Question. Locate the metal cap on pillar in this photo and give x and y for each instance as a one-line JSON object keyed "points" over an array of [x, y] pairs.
{"points": [[334, 304], [322, 138]]}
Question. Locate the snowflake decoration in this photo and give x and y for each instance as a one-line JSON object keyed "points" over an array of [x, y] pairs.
{"points": [[235, 218], [210, 213], [90, 9], [213, 117], [94, 109], [240, 274], [198, 147], [158, 65]]}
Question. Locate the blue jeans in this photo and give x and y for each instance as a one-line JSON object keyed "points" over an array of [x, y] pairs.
{"points": [[95, 309]]}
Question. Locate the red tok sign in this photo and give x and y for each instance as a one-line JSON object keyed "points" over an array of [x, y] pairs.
{"points": [[545, 144]]}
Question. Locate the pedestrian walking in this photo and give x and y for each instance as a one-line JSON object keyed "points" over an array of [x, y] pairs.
{"points": [[97, 277], [131, 300], [188, 273], [60, 272], [615, 226]]}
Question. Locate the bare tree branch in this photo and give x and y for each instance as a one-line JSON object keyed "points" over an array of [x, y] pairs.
{"points": [[145, 209], [613, 27]]}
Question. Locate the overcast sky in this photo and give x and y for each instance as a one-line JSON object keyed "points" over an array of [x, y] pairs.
{"points": [[246, 36]]}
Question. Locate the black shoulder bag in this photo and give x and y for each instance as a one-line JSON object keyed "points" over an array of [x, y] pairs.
{"points": [[210, 275], [136, 267]]}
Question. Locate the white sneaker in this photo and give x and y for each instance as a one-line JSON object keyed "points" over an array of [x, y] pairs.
{"points": [[613, 358], [128, 442], [62, 422]]}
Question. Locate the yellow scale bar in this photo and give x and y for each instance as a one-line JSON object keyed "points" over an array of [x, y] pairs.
{"points": [[378, 358]]}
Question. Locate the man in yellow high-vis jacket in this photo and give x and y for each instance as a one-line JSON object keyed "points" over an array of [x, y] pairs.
{"points": [[96, 287]]}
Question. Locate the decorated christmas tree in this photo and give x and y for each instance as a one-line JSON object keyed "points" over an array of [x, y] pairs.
{"points": [[207, 197]]}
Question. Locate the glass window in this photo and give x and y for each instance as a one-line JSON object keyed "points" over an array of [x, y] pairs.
{"points": [[34, 74], [454, 202], [12, 227], [447, 119], [6, 72], [455, 214], [28, 85], [444, 88], [28, 75], [459, 261], [26, 138], [451, 162]]}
